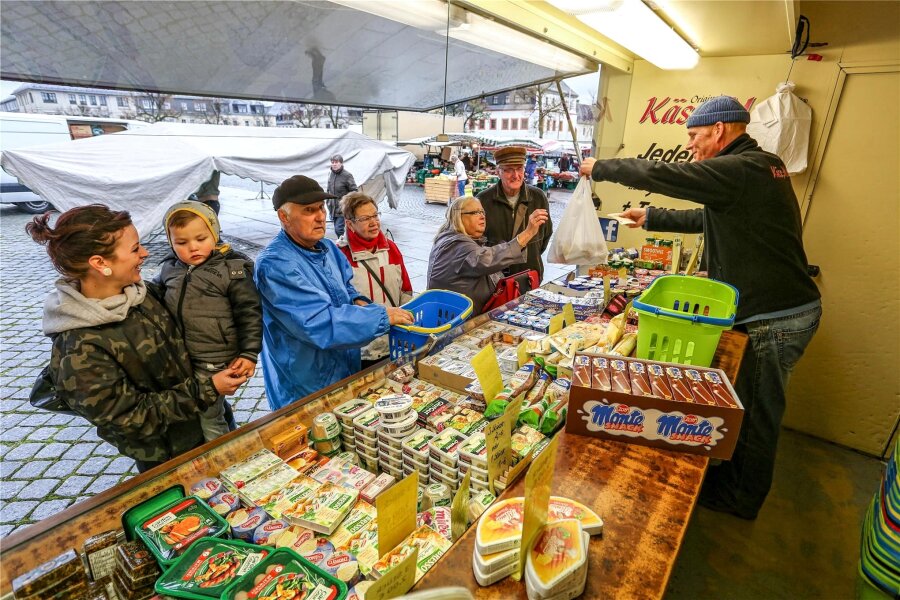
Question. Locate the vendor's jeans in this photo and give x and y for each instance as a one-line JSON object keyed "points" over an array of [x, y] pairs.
{"points": [[740, 485], [461, 187]]}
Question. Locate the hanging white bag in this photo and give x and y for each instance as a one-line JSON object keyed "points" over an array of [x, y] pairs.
{"points": [[579, 238]]}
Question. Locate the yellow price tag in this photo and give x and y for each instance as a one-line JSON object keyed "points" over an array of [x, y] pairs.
{"points": [[396, 511], [498, 442], [459, 509], [556, 322], [569, 314], [606, 296], [487, 369], [397, 581], [537, 497], [524, 357], [623, 276]]}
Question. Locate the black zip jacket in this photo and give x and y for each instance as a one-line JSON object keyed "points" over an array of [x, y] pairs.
{"points": [[750, 217]]}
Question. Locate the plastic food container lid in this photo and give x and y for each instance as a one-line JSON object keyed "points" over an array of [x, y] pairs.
{"points": [[208, 567], [173, 529], [556, 554], [207, 488], [284, 568], [394, 407], [367, 423], [474, 451], [351, 409], [244, 521], [500, 526], [416, 444], [443, 447]]}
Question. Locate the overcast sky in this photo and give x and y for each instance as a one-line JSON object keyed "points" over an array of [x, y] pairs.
{"points": [[585, 85]]}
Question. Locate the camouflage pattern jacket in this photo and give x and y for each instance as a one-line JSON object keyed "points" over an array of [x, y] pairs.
{"points": [[216, 305], [130, 377]]}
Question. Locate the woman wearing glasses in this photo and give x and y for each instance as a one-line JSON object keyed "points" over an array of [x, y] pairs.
{"points": [[460, 261], [378, 269]]}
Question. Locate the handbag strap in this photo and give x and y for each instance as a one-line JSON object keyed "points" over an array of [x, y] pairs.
{"points": [[379, 282]]}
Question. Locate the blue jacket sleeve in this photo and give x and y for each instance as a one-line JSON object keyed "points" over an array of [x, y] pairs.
{"points": [[306, 312]]}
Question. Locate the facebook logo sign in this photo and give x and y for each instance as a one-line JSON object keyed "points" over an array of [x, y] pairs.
{"points": [[610, 229]]}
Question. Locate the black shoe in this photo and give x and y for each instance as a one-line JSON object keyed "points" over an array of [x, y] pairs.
{"points": [[712, 503]]}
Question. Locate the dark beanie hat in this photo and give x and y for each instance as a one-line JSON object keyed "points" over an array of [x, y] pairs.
{"points": [[721, 108], [299, 190]]}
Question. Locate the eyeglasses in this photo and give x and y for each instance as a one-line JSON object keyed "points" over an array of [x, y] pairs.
{"points": [[472, 212], [376, 216]]}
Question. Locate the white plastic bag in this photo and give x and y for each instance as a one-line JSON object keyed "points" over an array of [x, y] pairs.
{"points": [[579, 238]]}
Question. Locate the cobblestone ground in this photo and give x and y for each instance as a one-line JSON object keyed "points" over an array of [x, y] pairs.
{"points": [[48, 461]]}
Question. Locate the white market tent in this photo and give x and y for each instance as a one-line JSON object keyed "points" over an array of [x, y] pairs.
{"points": [[147, 170]]}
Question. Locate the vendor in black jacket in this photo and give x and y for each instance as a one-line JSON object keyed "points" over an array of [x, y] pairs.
{"points": [[508, 206], [751, 221]]}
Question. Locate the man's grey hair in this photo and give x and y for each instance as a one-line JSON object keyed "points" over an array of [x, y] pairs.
{"points": [[453, 157], [453, 220]]}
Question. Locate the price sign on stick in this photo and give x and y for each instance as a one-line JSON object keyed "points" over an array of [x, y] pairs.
{"points": [[537, 497], [396, 511], [498, 441], [487, 369], [459, 509], [397, 581], [568, 314]]}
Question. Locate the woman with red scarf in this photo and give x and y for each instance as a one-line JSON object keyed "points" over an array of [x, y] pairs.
{"points": [[378, 269]]}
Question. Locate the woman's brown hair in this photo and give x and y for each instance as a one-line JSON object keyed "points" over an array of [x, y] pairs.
{"points": [[354, 200], [79, 234]]}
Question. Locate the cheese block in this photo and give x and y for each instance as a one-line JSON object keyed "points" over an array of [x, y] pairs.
{"points": [[555, 559]]}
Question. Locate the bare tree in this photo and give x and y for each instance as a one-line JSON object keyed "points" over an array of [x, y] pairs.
{"points": [[216, 111], [153, 107], [546, 102], [304, 115], [337, 115], [472, 110]]}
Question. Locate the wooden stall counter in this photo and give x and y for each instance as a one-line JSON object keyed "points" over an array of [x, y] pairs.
{"points": [[645, 497]]}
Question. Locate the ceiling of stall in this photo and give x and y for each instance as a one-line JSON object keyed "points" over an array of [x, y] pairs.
{"points": [[297, 51]]}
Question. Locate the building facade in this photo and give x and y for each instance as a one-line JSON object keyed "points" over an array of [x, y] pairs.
{"points": [[65, 100]]}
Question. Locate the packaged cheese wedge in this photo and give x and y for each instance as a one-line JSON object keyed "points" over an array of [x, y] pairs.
{"points": [[500, 526], [555, 558], [565, 508], [571, 590], [485, 579]]}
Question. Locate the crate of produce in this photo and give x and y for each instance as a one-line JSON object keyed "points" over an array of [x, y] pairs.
{"points": [[435, 311], [681, 318], [440, 190]]}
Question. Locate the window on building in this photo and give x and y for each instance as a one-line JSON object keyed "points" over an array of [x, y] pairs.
{"points": [[167, 105], [247, 123], [184, 107], [146, 103], [93, 100], [184, 120], [200, 106], [235, 122], [514, 124], [504, 124], [493, 123], [560, 125], [101, 100], [73, 99], [30, 98], [82, 99], [122, 102], [48, 97], [481, 124], [523, 123]]}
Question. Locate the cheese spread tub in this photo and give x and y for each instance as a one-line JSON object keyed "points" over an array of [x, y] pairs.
{"points": [[343, 566], [207, 488], [500, 526], [244, 521], [267, 533], [394, 408], [451, 473], [477, 474], [323, 550], [445, 445], [439, 478], [556, 554], [438, 494], [364, 440], [401, 428], [224, 503], [208, 567], [392, 470], [474, 451], [395, 442], [394, 463], [659, 384], [424, 469], [479, 502], [719, 389], [348, 411], [367, 424], [416, 445]]}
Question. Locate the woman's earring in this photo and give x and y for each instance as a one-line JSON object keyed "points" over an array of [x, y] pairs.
{"points": [[106, 271]]}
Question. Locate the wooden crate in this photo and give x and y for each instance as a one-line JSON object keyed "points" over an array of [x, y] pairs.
{"points": [[440, 191]]}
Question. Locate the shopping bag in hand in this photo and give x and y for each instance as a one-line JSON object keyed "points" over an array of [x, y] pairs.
{"points": [[579, 239]]}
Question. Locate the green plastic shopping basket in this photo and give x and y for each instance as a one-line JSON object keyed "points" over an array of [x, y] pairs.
{"points": [[681, 318]]}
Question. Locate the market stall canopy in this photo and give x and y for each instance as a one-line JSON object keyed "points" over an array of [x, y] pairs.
{"points": [[456, 139], [365, 54], [147, 170]]}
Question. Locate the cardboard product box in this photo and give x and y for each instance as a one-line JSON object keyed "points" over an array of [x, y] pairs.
{"points": [[708, 426], [657, 253], [451, 381]]}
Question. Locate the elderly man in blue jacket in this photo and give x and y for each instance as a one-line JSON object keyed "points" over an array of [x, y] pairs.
{"points": [[314, 321]]}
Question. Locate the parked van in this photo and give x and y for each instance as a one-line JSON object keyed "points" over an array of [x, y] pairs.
{"points": [[20, 130]]}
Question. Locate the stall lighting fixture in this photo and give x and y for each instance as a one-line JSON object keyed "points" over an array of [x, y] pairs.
{"points": [[431, 15], [634, 25]]}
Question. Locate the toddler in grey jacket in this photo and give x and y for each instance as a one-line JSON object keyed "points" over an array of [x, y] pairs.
{"points": [[209, 289]]}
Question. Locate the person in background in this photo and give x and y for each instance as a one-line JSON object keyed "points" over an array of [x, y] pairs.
{"points": [[530, 169], [340, 183], [461, 262], [208, 192], [209, 288], [462, 177], [378, 268], [118, 358], [564, 163], [467, 161], [314, 320], [751, 221], [509, 205]]}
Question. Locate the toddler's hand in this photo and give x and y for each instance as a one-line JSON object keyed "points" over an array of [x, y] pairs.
{"points": [[243, 366]]}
